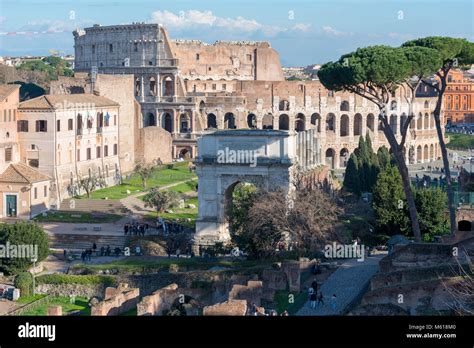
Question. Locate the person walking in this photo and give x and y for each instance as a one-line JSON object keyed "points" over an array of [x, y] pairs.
{"points": [[333, 302], [312, 300], [321, 299]]}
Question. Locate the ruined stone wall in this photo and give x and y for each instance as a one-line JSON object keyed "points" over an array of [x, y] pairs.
{"points": [[117, 301], [227, 60], [153, 143], [228, 308]]}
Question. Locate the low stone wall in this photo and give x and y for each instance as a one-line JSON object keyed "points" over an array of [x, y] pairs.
{"points": [[117, 300], [228, 308], [68, 290], [164, 298]]}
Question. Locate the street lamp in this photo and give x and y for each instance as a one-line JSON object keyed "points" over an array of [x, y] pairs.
{"points": [[34, 272]]}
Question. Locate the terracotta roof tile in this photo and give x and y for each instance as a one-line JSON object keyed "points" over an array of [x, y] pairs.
{"points": [[6, 90], [20, 173], [64, 101]]}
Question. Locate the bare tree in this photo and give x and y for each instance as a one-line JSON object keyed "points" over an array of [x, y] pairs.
{"points": [[144, 171], [90, 183]]}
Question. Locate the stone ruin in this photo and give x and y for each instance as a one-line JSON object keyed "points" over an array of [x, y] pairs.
{"points": [[228, 308], [117, 301], [164, 299], [55, 311]]}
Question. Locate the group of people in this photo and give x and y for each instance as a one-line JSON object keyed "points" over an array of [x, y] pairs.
{"points": [[169, 227], [136, 229], [316, 299], [86, 255], [254, 310]]}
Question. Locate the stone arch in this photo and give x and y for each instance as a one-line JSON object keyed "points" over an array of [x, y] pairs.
{"points": [[167, 122], [426, 155], [403, 120], [343, 157], [419, 122], [267, 121], [371, 122], [284, 105], [432, 154], [202, 106], [344, 106], [413, 123], [394, 123], [419, 154], [152, 85], [331, 123], [184, 123], [229, 121], [330, 158], [211, 121], [150, 119], [138, 87], [426, 123], [344, 131], [432, 121], [316, 121], [358, 124], [252, 121], [168, 86], [300, 122], [464, 225], [284, 122]]}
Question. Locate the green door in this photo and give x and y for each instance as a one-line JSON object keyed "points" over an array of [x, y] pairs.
{"points": [[11, 205]]}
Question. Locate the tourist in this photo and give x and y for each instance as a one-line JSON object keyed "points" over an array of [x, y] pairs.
{"points": [[94, 247], [108, 251], [312, 300], [125, 229], [117, 251], [321, 299], [102, 251], [285, 313], [65, 254], [334, 302], [83, 256], [310, 292], [314, 285]]}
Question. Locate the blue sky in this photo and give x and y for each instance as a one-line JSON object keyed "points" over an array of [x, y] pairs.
{"points": [[303, 31]]}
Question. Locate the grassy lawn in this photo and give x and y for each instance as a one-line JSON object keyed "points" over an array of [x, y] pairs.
{"points": [[460, 141], [77, 217], [161, 177], [140, 263], [181, 214], [81, 303], [184, 187], [282, 299]]}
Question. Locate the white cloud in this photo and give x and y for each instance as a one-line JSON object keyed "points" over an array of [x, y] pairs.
{"points": [[194, 19], [333, 32], [400, 36], [302, 27]]}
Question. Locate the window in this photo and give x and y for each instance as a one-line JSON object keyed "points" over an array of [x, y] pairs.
{"points": [[197, 56], [88, 154], [97, 152], [249, 57], [214, 86], [45, 191], [22, 126], [9, 115], [150, 62], [93, 49], [70, 124], [111, 48], [41, 126], [36, 193], [115, 120], [210, 69], [78, 157], [135, 47], [58, 125], [8, 154], [106, 150], [224, 86], [115, 149]]}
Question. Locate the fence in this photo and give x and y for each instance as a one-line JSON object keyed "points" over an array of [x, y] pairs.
{"points": [[30, 306], [463, 198]]}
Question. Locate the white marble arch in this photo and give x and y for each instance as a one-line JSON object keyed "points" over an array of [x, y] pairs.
{"points": [[218, 174]]}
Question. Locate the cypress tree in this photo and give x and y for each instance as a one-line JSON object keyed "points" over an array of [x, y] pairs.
{"points": [[352, 175]]}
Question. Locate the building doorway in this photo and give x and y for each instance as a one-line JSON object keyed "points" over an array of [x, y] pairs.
{"points": [[11, 205]]}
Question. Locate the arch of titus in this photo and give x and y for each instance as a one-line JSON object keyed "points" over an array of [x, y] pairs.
{"points": [[226, 159]]}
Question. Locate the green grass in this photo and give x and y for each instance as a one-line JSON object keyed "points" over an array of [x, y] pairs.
{"points": [[160, 177], [460, 141], [81, 303], [282, 299], [139, 264], [77, 217], [28, 299], [58, 278], [181, 214], [184, 187]]}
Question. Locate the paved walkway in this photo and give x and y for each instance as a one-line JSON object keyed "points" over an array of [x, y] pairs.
{"points": [[346, 282]]}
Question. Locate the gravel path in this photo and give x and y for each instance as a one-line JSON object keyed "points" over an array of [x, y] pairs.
{"points": [[346, 282]]}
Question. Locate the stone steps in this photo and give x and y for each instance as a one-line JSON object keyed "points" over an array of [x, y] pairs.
{"points": [[93, 205], [85, 241]]}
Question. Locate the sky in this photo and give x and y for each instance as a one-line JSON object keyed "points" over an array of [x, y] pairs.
{"points": [[304, 32]]}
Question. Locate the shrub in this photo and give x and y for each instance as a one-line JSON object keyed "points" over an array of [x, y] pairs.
{"points": [[24, 282], [76, 279], [22, 233]]}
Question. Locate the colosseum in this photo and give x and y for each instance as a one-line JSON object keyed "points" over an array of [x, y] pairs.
{"points": [[190, 87]]}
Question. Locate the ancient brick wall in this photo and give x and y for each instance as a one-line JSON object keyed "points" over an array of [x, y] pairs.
{"points": [[117, 300]]}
